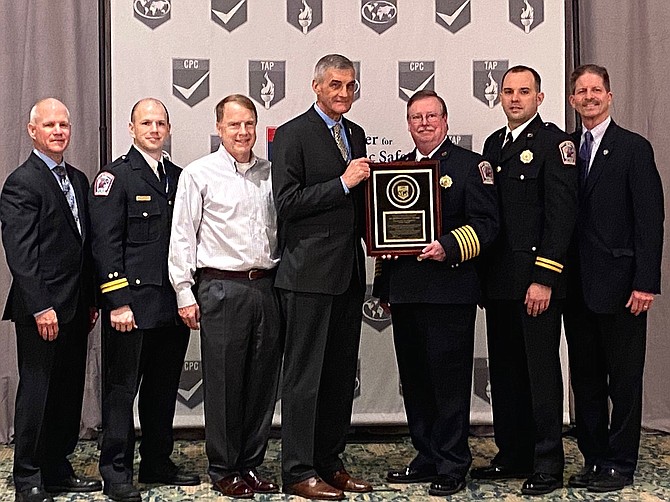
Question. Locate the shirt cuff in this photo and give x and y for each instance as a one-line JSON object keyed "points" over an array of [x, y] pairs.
{"points": [[344, 185], [185, 298], [37, 314]]}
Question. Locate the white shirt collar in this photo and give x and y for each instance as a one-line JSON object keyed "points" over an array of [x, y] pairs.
{"points": [[518, 130]]}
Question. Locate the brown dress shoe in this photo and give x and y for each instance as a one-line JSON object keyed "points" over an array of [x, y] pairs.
{"points": [[258, 484], [314, 488], [342, 480], [233, 486]]}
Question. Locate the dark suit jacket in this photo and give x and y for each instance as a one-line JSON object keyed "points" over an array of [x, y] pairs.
{"points": [[468, 202], [49, 259], [130, 229], [619, 233], [320, 227], [536, 178]]}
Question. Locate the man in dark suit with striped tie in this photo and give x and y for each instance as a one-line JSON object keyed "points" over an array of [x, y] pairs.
{"points": [[614, 273], [44, 213]]}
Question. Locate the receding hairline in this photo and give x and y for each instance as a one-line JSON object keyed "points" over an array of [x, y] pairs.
{"points": [[149, 100], [34, 113]]}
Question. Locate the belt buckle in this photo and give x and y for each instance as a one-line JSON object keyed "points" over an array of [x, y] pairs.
{"points": [[251, 274]]}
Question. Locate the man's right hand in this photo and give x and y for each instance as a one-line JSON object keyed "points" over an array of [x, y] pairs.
{"points": [[357, 171], [122, 319], [47, 325], [190, 315]]}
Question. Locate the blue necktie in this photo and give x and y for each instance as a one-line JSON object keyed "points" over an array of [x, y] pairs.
{"points": [[585, 158]]}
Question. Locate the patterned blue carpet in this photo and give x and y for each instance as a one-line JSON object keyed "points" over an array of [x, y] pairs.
{"points": [[371, 460]]}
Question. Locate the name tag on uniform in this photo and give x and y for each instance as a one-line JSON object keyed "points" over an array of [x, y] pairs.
{"points": [[143, 198]]}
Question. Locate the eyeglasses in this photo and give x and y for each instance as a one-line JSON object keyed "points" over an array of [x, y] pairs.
{"points": [[234, 126], [431, 118]]}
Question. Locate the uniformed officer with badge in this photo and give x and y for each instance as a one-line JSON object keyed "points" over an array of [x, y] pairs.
{"points": [[524, 286], [144, 340], [434, 299]]}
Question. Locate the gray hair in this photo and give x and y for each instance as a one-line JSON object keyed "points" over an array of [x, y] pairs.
{"points": [[329, 61]]}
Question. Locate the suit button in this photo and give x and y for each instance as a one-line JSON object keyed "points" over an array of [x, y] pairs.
{"points": [[521, 177], [533, 248], [169, 203], [145, 214], [116, 274], [111, 276], [137, 281]]}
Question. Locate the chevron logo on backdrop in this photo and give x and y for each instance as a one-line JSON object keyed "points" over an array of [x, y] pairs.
{"points": [[380, 15], [153, 13], [304, 14], [452, 14], [415, 76], [230, 14], [190, 80], [526, 14]]}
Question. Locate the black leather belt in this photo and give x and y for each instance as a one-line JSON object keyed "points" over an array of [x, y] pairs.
{"points": [[247, 275]]}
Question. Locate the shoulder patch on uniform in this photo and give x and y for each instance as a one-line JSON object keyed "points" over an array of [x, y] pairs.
{"points": [[568, 153], [486, 172], [103, 184]]}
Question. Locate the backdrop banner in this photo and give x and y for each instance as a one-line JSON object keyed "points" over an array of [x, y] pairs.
{"points": [[192, 54]]}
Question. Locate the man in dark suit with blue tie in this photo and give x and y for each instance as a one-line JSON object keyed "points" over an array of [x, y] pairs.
{"points": [[318, 166], [614, 273], [44, 213]]}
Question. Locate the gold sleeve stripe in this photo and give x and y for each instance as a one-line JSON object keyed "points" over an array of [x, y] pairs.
{"points": [[467, 241], [460, 241], [378, 266], [114, 285], [548, 267], [547, 261]]}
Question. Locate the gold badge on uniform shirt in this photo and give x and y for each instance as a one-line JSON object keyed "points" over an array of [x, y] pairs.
{"points": [[526, 156], [446, 181]]}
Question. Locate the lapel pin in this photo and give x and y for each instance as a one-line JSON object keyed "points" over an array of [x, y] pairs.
{"points": [[605, 152]]}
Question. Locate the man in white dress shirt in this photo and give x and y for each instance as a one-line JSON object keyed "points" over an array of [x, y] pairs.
{"points": [[223, 254]]}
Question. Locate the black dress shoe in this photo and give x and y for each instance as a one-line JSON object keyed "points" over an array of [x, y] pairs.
{"points": [[34, 494], [541, 484], [609, 480], [497, 472], [173, 476], [74, 484], [411, 475], [444, 486], [122, 492], [584, 476]]}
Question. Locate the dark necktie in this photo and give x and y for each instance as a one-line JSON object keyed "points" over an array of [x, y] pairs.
{"points": [[585, 158], [162, 177], [68, 191], [509, 139], [340, 142]]}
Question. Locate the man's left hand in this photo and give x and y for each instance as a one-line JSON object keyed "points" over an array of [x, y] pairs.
{"points": [[537, 299], [433, 251], [639, 301]]}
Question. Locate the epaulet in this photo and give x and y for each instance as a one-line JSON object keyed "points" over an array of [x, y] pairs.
{"points": [[550, 126], [118, 162]]}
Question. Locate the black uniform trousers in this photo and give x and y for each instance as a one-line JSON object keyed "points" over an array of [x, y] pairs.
{"points": [[607, 353], [151, 361], [320, 362], [48, 400], [526, 386], [241, 341], [434, 348]]}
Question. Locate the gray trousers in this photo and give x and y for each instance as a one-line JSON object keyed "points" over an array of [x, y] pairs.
{"points": [[241, 344]]}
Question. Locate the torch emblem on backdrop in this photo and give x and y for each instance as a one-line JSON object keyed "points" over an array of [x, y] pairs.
{"points": [[267, 82], [526, 14], [305, 15], [486, 80]]}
